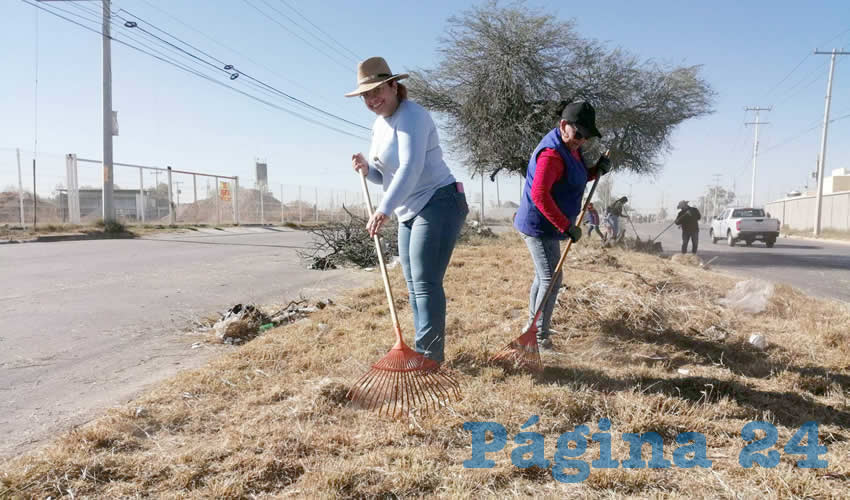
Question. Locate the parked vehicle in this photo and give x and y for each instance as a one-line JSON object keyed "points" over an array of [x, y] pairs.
{"points": [[744, 224]]}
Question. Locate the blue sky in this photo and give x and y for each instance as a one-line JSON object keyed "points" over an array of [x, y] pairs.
{"points": [[168, 117]]}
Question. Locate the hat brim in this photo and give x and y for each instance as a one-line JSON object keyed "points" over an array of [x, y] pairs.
{"points": [[366, 87]]}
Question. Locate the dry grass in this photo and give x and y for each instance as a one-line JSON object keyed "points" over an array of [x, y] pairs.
{"points": [[271, 419]]}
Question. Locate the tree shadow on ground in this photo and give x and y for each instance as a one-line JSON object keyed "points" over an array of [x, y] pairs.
{"points": [[789, 408], [737, 356]]}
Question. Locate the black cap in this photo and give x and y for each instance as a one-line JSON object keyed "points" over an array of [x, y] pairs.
{"points": [[582, 114]]}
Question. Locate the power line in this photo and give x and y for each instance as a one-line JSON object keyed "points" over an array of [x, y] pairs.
{"points": [[181, 52], [237, 52], [293, 21], [265, 14], [802, 133], [197, 73], [166, 33], [789, 74], [791, 93], [805, 58], [227, 68], [169, 46], [292, 7]]}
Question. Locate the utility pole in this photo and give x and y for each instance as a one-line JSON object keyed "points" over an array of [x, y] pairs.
{"points": [[755, 148], [822, 156], [108, 130], [108, 204], [716, 189]]}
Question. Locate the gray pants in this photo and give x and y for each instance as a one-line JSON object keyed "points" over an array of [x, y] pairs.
{"points": [[545, 253]]}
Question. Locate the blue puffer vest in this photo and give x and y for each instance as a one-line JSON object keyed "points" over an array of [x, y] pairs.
{"points": [[567, 191]]}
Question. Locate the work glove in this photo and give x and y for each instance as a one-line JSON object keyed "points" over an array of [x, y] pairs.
{"points": [[574, 232], [603, 165]]}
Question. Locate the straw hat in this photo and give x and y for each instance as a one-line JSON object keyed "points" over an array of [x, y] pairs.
{"points": [[371, 73]]}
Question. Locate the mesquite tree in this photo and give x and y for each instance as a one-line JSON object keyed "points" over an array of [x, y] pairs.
{"points": [[505, 69]]}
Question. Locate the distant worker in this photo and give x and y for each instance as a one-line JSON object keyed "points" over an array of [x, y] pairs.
{"points": [[593, 222], [614, 212], [688, 220]]}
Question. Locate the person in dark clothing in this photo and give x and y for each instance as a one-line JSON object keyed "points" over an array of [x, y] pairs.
{"points": [[614, 212], [688, 220]]}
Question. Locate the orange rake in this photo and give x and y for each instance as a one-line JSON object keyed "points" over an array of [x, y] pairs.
{"points": [[523, 351], [403, 380]]}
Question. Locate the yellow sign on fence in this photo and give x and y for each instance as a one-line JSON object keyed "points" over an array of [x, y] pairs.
{"points": [[224, 191]]}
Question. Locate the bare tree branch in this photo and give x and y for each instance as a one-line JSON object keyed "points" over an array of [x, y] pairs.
{"points": [[504, 70]]}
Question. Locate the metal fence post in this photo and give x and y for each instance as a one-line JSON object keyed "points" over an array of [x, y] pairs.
{"points": [[172, 214], [281, 204], [73, 189], [141, 215], [316, 211], [217, 205], [20, 187], [300, 207], [235, 198]]}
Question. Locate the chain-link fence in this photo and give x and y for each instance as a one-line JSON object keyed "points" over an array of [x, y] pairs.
{"points": [[70, 191], [23, 173]]}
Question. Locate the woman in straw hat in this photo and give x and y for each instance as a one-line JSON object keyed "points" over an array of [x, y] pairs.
{"points": [[551, 201], [406, 159]]}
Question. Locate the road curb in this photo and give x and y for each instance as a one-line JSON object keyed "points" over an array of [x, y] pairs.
{"points": [[72, 237]]}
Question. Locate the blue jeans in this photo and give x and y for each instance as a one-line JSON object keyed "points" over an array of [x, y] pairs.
{"points": [[614, 221], [425, 245], [545, 253]]}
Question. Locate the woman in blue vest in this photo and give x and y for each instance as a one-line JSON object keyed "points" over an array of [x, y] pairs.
{"points": [[551, 201]]}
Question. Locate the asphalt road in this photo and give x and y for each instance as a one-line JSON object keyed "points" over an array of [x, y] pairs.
{"points": [[819, 268], [86, 325]]}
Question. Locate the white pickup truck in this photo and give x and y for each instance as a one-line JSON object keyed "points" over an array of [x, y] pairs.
{"points": [[744, 224]]}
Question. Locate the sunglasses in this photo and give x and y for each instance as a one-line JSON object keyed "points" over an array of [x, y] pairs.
{"points": [[577, 135]]}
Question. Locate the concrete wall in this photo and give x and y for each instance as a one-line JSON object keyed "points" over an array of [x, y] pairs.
{"points": [[799, 212]]}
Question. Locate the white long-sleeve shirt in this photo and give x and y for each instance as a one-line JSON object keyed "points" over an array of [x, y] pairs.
{"points": [[410, 162]]}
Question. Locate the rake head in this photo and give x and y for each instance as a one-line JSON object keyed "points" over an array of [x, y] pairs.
{"points": [[404, 381], [522, 352]]}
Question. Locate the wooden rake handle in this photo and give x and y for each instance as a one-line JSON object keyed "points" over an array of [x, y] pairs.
{"points": [[381, 263], [565, 252]]}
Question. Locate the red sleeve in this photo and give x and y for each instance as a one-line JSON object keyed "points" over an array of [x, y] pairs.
{"points": [[550, 168]]}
